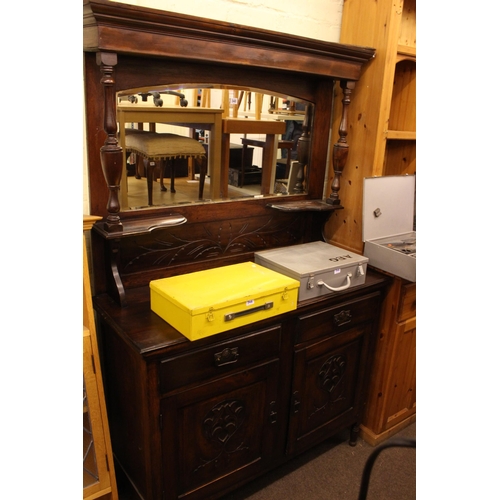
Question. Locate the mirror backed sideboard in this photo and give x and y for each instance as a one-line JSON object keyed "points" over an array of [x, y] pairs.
{"points": [[163, 391]]}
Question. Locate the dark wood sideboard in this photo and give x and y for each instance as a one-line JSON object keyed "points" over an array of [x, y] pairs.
{"points": [[198, 419]]}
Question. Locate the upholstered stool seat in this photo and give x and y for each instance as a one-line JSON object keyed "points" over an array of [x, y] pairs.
{"points": [[155, 147]]}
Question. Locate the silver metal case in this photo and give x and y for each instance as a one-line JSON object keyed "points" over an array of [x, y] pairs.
{"points": [[320, 268], [388, 221]]}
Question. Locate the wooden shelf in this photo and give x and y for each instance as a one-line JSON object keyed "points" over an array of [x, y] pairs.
{"points": [[403, 109], [305, 206], [401, 135], [400, 157], [404, 50]]}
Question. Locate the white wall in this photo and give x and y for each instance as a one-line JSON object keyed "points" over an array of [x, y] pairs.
{"points": [[318, 19]]}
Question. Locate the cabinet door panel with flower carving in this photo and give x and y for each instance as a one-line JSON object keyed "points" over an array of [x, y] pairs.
{"points": [[217, 433], [327, 381]]}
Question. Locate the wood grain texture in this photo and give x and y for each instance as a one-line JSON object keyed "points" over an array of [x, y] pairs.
{"points": [[382, 131]]}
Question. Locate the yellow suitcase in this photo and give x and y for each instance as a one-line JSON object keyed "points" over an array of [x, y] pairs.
{"points": [[207, 302]]}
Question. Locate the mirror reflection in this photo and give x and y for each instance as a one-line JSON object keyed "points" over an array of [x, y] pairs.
{"points": [[195, 144]]}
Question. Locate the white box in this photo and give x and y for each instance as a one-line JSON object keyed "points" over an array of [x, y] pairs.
{"points": [[320, 268], [388, 222]]}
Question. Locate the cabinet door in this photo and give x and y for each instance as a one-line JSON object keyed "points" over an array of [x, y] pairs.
{"points": [[401, 386], [327, 387], [219, 432]]}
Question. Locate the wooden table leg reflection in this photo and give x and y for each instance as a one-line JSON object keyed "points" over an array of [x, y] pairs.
{"points": [[272, 129]]}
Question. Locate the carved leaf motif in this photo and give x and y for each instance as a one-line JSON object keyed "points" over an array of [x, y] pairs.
{"points": [[206, 241]]}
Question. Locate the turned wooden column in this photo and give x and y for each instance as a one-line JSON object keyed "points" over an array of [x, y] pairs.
{"points": [[341, 148], [303, 151], [111, 151]]}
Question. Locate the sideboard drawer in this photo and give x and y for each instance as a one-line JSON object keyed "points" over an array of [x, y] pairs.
{"points": [[219, 358], [337, 319]]}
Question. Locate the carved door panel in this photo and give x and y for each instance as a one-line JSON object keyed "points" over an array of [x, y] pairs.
{"points": [[217, 433], [327, 382]]}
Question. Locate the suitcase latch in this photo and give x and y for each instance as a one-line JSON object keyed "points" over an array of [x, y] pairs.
{"points": [[210, 314], [310, 282]]}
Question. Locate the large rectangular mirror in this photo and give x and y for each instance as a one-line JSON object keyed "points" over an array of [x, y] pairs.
{"points": [[189, 143]]}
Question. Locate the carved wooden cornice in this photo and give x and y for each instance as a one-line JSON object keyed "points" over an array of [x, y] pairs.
{"points": [[128, 29]]}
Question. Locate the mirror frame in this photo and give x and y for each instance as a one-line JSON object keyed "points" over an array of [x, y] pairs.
{"points": [[128, 47]]}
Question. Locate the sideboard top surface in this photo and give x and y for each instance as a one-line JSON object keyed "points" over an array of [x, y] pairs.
{"points": [[150, 335]]}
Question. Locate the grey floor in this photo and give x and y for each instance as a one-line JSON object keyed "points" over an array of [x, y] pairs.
{"points": [[331, 471]]}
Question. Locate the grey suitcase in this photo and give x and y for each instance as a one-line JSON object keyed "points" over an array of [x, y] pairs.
{"points": [[320, 268]]}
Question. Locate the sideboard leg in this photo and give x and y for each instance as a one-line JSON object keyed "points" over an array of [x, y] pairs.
{"points": [[353, 438]]}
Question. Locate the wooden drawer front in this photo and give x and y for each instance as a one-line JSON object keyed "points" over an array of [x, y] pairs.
{"points": [[408, 302], [337, 319], [218, 359]]}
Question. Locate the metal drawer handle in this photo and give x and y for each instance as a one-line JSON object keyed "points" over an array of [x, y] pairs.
{"points": [[340, 288], [226, 357], [343, 317], [231, 316]]}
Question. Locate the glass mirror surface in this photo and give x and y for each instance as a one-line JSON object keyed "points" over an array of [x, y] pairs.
{"points": [[261, 131]]}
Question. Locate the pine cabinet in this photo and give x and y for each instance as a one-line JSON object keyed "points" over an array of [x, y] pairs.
{"points": [[195, 420], [98, 470], [391, 403], [382, 136]]}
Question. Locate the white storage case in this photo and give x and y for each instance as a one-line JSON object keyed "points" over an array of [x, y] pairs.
{"points": [[320, 268], [388, 215]]}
